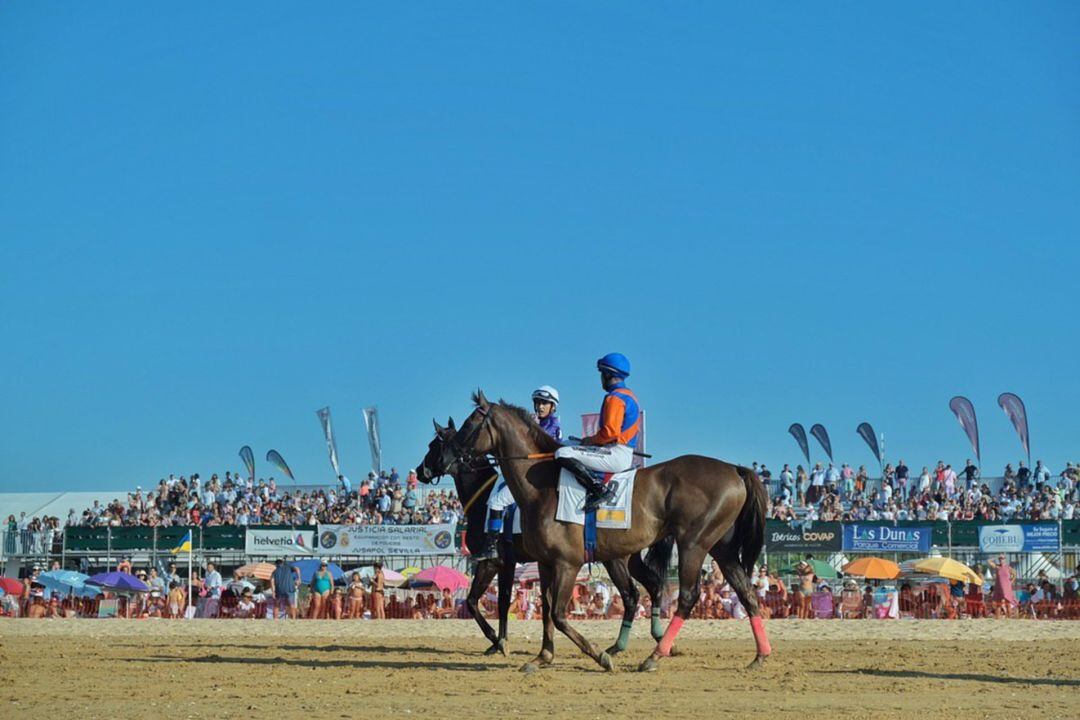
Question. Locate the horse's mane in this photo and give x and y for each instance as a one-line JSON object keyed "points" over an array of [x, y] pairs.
{"points": [[544, 442]]}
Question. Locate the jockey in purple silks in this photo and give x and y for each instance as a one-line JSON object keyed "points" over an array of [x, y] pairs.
{"points": [[545, 403]]}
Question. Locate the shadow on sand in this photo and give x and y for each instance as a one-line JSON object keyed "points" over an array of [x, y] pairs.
{"points": [[976, 677]]}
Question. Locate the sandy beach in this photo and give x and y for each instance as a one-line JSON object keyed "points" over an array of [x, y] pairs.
{"points": [[205, 669]]}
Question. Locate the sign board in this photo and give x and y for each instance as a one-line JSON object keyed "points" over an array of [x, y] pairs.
{"points": [[802, 536], [386, 540], [1043, 537], [883, 537], [279, 542]]}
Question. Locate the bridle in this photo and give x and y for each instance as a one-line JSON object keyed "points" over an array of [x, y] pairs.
{"points": [[464, 454]]}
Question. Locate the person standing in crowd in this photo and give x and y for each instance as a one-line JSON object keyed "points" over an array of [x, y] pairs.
{"points": [[787, 482], [176, 600], [212, 585], [862, 480], [1023, 475], [322, 582], [1042, 475], [902, 473], [971, 474], [1003, 596], [847, 477], [802, 485], [817, 485], [378, 593], [832, 478], [284, 583], [355, 607]]}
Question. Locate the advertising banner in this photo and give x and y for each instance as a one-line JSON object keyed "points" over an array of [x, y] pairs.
{"points": [[802, 536], [279, 542], [385, 540], [871, 537], [1019, 538], [371, 421], [328, 431]]}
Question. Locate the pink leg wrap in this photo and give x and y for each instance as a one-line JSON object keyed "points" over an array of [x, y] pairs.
{"points": [[762, 640], [664, 648]]}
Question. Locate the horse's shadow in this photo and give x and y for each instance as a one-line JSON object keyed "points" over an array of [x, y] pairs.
{"points": [[216, 659], [976, 677]]}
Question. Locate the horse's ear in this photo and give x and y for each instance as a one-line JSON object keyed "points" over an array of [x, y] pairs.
{"points": [[481, 401], [438, 428], [450, 424]]}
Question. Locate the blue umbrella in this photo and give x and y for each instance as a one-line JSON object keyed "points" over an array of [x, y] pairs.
{"points": [[118, 581], [66, 582], [307, 569]]}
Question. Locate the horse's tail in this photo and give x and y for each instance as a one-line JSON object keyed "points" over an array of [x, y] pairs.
{"points": [[750, 526], [658, 558]]}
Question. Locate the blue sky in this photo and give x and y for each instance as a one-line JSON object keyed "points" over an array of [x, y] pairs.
{"points": [[216, 219]]}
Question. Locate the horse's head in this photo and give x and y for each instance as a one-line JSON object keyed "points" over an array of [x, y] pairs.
{"points": [[433, 466]]}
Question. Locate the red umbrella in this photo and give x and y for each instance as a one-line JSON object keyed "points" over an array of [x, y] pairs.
{"points": [[441, 577], [11, 586]]}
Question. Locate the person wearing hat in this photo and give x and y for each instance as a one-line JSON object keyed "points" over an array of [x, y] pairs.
{"points": [[611, 449], [545, 402]]}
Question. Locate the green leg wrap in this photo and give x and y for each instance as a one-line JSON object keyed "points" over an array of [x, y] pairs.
{"points": [[657, 627], [624, 634]]}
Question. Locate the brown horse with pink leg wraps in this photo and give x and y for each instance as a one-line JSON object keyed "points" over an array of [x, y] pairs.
{"points": [[711, 508]]}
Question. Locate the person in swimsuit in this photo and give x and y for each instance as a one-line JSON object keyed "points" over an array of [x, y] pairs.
{"points": [[356, 597], [321, 584], [378, 593]]}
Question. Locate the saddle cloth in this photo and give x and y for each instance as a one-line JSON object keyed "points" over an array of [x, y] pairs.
{"points": [[613, 515]]}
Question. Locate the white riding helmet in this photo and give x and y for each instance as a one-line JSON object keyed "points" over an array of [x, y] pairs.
{"points": [[546, 393]]}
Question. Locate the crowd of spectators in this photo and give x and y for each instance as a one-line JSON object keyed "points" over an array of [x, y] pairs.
{"points": [[843, 493], [380, 499]]}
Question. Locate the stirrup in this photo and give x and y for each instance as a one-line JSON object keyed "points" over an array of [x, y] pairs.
{"points": [[597, 495], [490, 551]]}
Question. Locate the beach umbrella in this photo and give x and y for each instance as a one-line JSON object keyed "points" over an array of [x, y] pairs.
{"points": [[67, 582], [442, 577], [116, 580], [821, 568], [308, 567], [873, 568], [11, 586], [259, 571], [409, 571], [947, 568], [530, 572]]}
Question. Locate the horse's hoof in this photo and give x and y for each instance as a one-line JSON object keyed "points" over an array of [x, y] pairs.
{"points": [[649, 665], [613, 650], [529, 668], [757, 662], [501, 647], [492, 650], [605, 662]]}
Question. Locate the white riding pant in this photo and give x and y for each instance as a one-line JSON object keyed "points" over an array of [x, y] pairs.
{"points": [[500, 497], [601, 458]]}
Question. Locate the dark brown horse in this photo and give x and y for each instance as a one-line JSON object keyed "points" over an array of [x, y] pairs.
{"points": [[710, 506], [474, 484]]}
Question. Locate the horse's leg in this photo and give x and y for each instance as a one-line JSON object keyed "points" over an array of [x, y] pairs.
{"points": [[562, 589], [620, 576], [506, 593], [691, 557], [485, 570], [740, 583], [654, 587], [547, 649]]}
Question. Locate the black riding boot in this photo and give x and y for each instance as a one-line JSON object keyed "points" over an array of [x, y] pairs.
{"points": [[490, 550], [596, 492]]}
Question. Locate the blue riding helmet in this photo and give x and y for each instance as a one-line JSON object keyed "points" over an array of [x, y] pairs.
{"points": [[615, 364]]}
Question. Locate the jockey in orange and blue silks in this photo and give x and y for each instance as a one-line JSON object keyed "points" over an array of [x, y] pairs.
{"points": [[611, 449], [545, 402]]}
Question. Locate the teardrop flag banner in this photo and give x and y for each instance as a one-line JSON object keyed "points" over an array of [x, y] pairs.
{"points": [[866, 432], [799, 433], [1014, 408], [249, 460], [818, 431], [274, 458], [965, 413], [328, 432]]}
